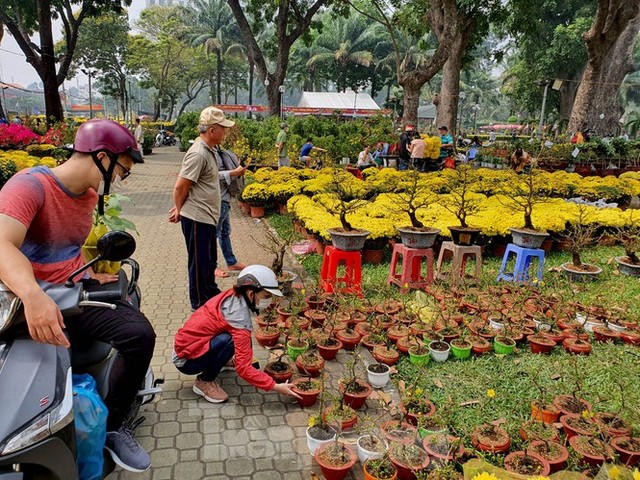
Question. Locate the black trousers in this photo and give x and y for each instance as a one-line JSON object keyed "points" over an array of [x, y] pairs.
{"points": [[131, 334], [202, 251]]}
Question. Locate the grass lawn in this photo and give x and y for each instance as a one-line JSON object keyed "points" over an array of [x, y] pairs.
{"points": [[609, 378]]}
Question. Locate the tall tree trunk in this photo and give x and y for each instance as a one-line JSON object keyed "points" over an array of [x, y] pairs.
{"points": [[52, 101], [219, 76], [411, 102], [567, 96], [593, 98], [2, 106], [251, 68], [156, 109], [447, 111]]}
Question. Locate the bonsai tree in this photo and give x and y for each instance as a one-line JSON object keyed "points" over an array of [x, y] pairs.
{"points": [[581, 233], [413, 197], [629, 237], [344, 198], [524, 192], [277, 246], [461, 201]]}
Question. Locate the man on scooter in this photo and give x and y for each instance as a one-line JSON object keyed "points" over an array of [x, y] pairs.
{"points": [[45, 217]]}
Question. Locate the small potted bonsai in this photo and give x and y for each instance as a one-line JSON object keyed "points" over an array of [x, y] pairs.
{"points": [[580, 234], [279, 369], [629, 237], [462, 202], [319, 431], [415, 196], [355, 391]]}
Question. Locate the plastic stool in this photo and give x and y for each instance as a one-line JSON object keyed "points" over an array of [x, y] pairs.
{"points": [[352, 279], [523, 258], [460, 255], [411, 260]]}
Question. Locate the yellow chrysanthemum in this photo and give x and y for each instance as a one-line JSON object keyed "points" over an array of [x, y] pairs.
{"points": [[485, 476], [614, 472], [491, 393]]}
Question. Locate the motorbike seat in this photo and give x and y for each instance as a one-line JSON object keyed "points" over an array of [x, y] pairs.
{"points": [[87, 354]]}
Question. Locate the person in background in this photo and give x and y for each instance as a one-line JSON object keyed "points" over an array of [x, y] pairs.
{"points": [[404, 156], [221, 330], [281, 146], [305, 152], [520, 161], [492, 136], [139, 136], [417, 148], [446, 144], [365, 159], [196, 197]]}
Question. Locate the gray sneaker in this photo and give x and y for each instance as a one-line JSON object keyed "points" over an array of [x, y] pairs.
{"points": [[126, 451]]}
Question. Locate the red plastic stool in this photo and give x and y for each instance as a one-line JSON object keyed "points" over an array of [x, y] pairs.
{"points": [[352, 279], [411, 275]]}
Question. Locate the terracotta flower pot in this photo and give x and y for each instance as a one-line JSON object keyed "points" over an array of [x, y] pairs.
{"points": [[386, 355], [488, 438], [628, 449], [267, 337], [577, 346], [535, 465], [592, 451], [630, 338], [257, 211], [426, 409], [571, 406], [335, 461], [577, 426], [479, 345], [540, 344], [349, 339], [553, 452], [329, 348], [613, 425], [443, 447], [605, 334], [548, 414], [278, 373], [309, 394], [355, 398], [313, 368], [392, 472], [398, 432], [399, 457], [347, 417]]}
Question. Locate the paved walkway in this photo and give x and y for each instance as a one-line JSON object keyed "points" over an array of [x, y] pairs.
{"points": [[255, 435]]}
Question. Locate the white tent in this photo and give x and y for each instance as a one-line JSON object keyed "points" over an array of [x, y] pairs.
{"points": [[338, 101]]}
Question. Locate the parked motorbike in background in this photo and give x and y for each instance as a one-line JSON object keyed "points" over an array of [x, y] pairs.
{"points": [[164, 138], [37, 432]]}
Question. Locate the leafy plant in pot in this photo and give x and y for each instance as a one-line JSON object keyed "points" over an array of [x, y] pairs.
{"points": [[355, 391], [462, 202], [408, 459], [319, 431], [309, 390], [378, 374], [414, 196], [579, 234], [489, 437], [379, 469], [269, 334], [414, 404], [342, 198], [335, 459], [277, 245], [279, 369]]}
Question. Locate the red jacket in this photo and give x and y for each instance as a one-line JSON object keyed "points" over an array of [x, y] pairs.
{"points": [[192, 340]]}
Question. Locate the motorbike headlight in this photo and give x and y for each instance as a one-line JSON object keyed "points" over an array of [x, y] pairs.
{"points": [[9, 304], [45, 426]]}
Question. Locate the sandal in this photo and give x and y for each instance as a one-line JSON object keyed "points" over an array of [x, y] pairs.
{"points": [[221, 273]]}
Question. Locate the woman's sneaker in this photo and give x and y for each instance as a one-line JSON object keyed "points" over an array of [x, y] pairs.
{"points": [[126, 451], [211, 391]]}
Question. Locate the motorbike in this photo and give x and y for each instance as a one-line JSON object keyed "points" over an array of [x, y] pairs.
{"points": [[164, 138], [37, 431]]}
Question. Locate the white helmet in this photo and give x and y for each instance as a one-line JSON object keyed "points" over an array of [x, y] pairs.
{"points": [[259, 276]]}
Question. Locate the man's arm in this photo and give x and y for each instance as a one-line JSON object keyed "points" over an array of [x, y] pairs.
{"points": [[180, 194], [42, 314]]}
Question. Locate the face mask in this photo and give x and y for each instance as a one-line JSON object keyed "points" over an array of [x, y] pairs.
{"points": [[117, 184], [264, 303]]}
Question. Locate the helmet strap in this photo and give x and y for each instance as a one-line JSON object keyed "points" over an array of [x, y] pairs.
{"points": [[107, 175], [251, 303]]}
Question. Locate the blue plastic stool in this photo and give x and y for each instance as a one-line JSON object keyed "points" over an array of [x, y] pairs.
{"points": [[523, 259]]}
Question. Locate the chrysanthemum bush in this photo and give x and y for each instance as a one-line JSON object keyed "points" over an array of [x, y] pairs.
{"points": [[490, 189]]}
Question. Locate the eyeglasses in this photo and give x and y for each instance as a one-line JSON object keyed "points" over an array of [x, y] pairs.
{"points": [[126, 170]]}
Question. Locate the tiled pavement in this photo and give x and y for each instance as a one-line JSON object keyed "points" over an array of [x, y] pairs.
{"points": [[255, 435]]}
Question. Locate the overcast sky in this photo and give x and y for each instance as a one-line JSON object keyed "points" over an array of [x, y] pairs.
{"points": [[15, 69]]}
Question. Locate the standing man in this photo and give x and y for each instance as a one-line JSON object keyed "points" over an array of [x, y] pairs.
{"points": [[404, 154], [446, 144], [45, 217], [281, 146], [231, 175], [196, 198], [139, 136]]}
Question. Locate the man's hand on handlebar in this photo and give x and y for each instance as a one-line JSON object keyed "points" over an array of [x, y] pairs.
{"points": [[44, 320], [103, 278]]}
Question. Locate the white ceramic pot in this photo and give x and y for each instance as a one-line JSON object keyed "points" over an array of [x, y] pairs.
{"points": [[496, 325], [314, 443], [378, 380], [365, 454], [616, 327], [439, 355]]}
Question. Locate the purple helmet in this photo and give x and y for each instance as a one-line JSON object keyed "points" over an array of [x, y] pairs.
{"points": [[103, 134]]}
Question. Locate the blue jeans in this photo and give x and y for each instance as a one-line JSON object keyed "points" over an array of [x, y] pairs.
{"points": [[223, 230], [210, 364]]}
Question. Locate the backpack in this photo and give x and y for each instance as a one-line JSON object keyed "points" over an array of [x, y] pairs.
{"points": [[229, 161]]}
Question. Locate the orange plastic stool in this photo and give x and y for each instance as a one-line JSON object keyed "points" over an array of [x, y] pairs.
{"points": [[352, 279], [411, 261]]}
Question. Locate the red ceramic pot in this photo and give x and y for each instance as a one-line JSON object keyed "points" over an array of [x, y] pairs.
{"points": [[279, 376], [499, 443], [442, 447], [540, 344], [628, 449], [349, 339], [386, 355], [577, 346], [356, 399], [398, 432], [407, 472], [605, 334], [630, 338], [571, 406], [590, 458], [329, 352], [309, 396], [556, 454], [572, 429], [267, 337], [547, 414], [311, 370], [612, 425], [329, 470], [412, 418], [513, 456]]}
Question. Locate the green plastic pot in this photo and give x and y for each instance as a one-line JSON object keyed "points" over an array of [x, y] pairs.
{"points": [[460, 353], [295, 352], [503, 349], [419, 360]]}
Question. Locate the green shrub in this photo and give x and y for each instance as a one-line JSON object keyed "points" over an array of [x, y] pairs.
{"points": [[7, 169], [187, 127], [147, 144]]}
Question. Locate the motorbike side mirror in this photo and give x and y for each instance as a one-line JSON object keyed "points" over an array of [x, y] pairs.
{"points": [[116, 245], [112, 246]]}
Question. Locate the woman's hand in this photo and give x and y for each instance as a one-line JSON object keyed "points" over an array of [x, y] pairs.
{"points": [[285, 389]]}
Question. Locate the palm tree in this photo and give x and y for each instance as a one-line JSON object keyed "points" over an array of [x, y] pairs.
{"points": [[346, 43], [214, 27]]}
